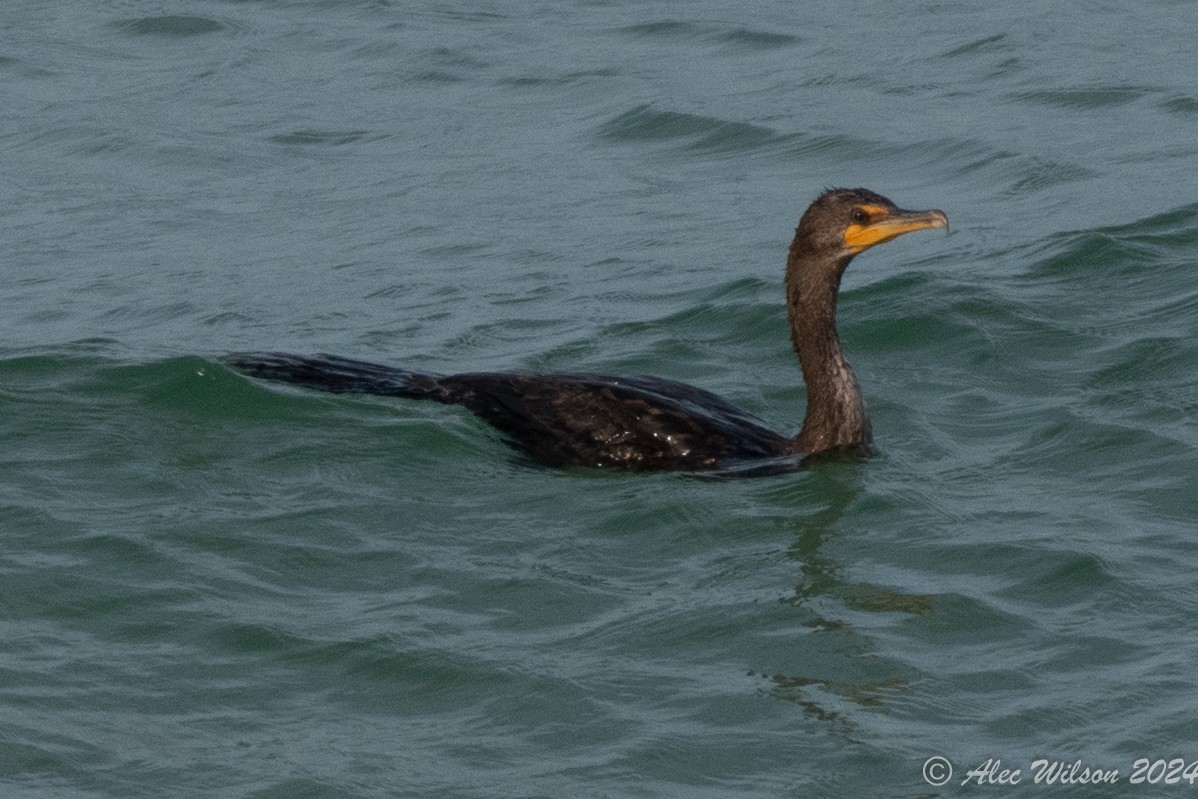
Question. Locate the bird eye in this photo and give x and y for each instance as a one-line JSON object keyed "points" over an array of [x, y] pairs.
{"points": [[859, 216]]}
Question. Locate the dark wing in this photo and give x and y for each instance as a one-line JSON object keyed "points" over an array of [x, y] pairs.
{"points": [[643, 423]]}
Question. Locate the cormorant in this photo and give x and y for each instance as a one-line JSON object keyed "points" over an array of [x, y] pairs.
{"points": [[649, 423]]}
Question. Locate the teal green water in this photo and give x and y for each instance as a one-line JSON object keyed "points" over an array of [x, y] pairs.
{"points": [[215, 587]]}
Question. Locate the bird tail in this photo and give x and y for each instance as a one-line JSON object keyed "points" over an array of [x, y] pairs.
{"points": [[341, 375]]}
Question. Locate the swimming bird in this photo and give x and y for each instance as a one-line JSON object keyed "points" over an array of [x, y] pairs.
{"points": [[650, 423]]}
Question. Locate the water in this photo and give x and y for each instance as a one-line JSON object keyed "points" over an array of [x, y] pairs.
{"points": [[212, 587]]}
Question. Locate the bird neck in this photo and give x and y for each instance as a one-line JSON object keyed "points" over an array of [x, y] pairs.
{"points": [[836, 414]]}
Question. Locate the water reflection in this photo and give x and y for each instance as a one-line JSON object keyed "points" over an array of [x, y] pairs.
{"points": [[835, 663]]}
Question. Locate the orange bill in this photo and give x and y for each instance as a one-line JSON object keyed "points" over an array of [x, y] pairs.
{"points": [[883, 224]]}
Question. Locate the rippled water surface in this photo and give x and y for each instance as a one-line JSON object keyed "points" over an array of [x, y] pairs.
{"points": [[216, 587]]}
